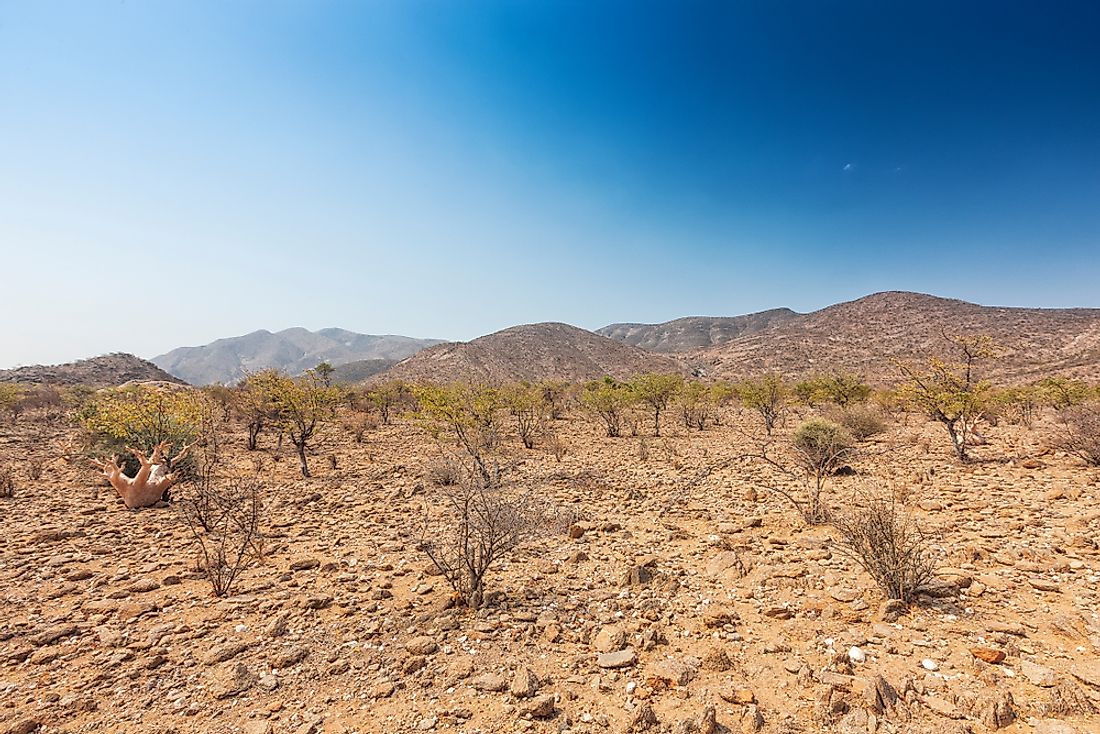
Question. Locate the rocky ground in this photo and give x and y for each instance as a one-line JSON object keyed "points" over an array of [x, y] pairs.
{"points": [[680, 600]]}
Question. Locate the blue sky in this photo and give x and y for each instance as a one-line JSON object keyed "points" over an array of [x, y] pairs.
{"points": [[175, 172]]}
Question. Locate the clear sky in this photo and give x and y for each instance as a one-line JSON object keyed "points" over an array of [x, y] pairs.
{"points": [[175, 172]]}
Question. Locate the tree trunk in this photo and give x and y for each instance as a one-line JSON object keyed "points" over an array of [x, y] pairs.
{"points": [[302, 458]]}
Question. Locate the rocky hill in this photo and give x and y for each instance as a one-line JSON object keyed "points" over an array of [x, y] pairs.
{"points": [[291, 350], [868, 334], [106, 371], [695, 332], [532, 352]]}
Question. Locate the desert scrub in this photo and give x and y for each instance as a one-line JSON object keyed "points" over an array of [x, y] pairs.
{"points": [[141, 417]]}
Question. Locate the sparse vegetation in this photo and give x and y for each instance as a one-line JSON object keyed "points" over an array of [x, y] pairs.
{"points": [[768, 396], [528, 407], [231, 528], [951, 392], [469, 414], [610, 400], [299, 406], [7, 483], [656, 392], [889, 545], [479, 524], [1079, 434]]}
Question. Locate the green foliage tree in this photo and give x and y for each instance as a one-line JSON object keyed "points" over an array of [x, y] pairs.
{"points": [[470, 414], [950, 392], [388, 397], [1062, 392], [299, 406], [527, 404], [11, 395], [610, 400], [768, 396], [656, 391], [142, 416]]}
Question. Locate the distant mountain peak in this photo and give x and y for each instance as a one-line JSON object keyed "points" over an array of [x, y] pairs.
{"points": [[292, 350]]}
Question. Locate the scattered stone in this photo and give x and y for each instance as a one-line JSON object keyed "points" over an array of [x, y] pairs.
{"points": [[988, 654], [1038, 675], [230, 680], [539, 707], [524, 683], [620, 659], [489, 682], [421, 645]]}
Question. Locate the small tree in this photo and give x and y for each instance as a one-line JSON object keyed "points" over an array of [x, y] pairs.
{"points": [[470, 414], [950, 392], [141, 416], [656, 391], [299, 406], [820, 448], [1061, 392], [768, 396], [480, 524], [889, 545], [388, 397], [228, 530], [253, 401], [324, 371], [527, 405], [556, 394], [610, 400], [696, 401]]}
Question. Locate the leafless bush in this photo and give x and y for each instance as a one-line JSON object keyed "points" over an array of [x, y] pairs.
{"points": [[443, 473], [861, 421], [360, 424], [7, 483], [889, 545], [477, 525], [1080, 433], [557, 445], [232, 529]]}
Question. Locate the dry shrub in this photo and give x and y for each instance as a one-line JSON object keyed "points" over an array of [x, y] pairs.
{"points": [[557, 446], [1080, 433], [880, 536], [360, 424], [35, 468], [861, 421], [477, 524], [444, 473], [7, 483], [231, 528]]}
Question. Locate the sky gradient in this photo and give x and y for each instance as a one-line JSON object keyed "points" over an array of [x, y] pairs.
{"points": [[176, 172]]}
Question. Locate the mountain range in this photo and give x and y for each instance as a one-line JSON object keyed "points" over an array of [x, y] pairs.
{"points": [[868, 336], [292, 350]]}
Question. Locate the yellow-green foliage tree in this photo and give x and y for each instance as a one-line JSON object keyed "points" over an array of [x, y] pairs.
{"points": [[10, 396], [769, 396], [950, 392], [299, 406], [1062, 392], [843, 389], [610, 400], [253, 403], [141, 417], [387, 398], [656, 391], [471, 415], [527, 404]]}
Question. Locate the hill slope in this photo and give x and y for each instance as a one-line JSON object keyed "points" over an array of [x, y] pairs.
{"points": [[291, 350], [867, 334], [532, 352], [106, 371], [695, 332]]}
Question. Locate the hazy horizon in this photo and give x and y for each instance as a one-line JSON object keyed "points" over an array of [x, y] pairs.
{"points": [[180, 172]]}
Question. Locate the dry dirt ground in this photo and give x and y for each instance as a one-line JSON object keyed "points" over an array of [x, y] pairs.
{"points": [[719, 607]]}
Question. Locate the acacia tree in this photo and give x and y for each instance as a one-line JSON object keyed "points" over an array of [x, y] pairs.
{"points": [[656, 391], [300, 406], [470, 413], [387, 397], [950, 392], [253, 403], [819, 448], [610, 400], [527, 405], [695, 400], [768, 396]]}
